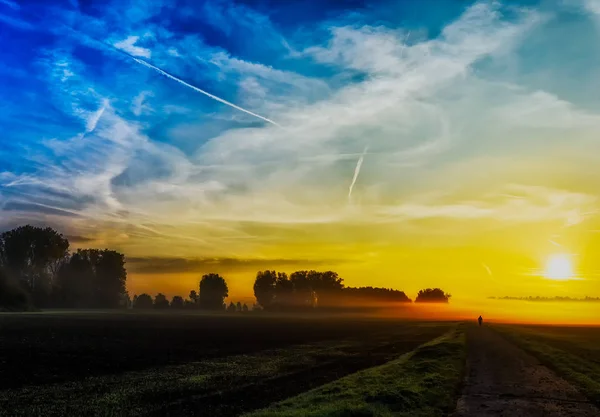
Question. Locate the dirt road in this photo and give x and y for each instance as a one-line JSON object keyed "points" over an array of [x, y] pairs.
{"points": [[503, 380]]}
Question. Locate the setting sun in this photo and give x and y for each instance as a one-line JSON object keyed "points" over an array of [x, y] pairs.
{"points": [[559, 268]]}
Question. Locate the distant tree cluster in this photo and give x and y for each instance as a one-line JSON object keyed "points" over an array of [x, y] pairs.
{"points": [[211, 296], [432, 295], [37, 269], [309, 289], [545, 299]]}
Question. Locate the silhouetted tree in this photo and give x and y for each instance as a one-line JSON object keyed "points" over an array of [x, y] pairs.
{"points": [[375, 294], [75, 281], [12, 295], [213, 291], [432, 295], [231, 308], [143, 301], [33, 255], [194, 297], [110, 278], [302, 282], [245, 308], [264, 288], [160, 301], [125, 301], [92, 278], [238, 307], [327, 286], [284, 291], [177, 302]]}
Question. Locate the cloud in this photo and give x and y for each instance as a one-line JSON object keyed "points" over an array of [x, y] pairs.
{"points": [[592, 6], [139, 104], [79, 239], [162, 265], [10, 4], [93, 118], [37, 209], [429, 109], [128, 45], [199, 90], [15, 22]]}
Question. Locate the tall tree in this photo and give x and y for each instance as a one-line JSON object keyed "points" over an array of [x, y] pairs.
{"points": [[33, 255], [93, 278], [264, 288], [327, 286], [304, 296], [12, 295], [75, 281], [110, 278], [284, 291], [213, 291]]}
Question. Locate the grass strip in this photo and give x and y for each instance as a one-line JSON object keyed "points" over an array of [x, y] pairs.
{"points": [[421, 383]]}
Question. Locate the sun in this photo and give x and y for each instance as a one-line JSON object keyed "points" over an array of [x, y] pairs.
{"points": [[559, 268]]}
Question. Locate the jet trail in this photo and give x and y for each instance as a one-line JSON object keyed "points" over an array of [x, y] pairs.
{"points": [[180, 81], [357, 171]]}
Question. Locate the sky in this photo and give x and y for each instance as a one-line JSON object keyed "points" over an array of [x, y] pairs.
{"points": [[403, 144]]}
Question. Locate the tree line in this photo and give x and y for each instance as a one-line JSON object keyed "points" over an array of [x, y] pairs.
{"points": [[37, 269], [276, 291]]}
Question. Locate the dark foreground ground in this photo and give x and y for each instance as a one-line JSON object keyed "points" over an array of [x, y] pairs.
{"points": [[503, 380], [184, 364], [192, 364]]}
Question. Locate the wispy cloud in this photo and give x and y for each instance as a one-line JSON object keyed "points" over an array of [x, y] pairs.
{"points": [[199, 90], [13, 5], [437, 113], [16, 22], [128, 45]]}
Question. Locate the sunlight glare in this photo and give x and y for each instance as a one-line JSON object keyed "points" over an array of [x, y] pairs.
{"points": [[559, 268]]}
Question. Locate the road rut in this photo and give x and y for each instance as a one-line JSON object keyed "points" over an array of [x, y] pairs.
{"points": [[503, 380]]}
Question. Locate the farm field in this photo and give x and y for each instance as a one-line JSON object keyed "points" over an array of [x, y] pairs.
{"points": [[573, 352], [98, 363]]}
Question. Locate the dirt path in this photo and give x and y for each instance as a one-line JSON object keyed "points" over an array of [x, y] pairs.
{"points": [[503, 380]]}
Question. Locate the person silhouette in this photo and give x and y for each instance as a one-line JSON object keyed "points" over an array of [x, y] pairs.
{"points": [[480, 320]]}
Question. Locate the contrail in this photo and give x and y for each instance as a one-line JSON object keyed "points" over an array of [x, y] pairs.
{"points": [[12, 4], [357, 171], [93, 120], [487, 268], [180, 81]]}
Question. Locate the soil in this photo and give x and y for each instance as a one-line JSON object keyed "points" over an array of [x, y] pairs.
{"points": [[503, 380]]}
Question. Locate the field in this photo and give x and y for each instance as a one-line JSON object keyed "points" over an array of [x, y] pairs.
{"points": [[113, 364], [572, 352], [259, 365]]}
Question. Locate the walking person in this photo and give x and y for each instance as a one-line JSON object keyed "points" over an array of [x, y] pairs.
{"points": [[480, 320]]}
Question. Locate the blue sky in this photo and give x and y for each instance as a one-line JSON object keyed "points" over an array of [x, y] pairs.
{"points": [[335, 128]]}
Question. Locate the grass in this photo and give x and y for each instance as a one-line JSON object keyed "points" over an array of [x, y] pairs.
{"points": [[421, 383], [273, 364], [572, 352]]}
